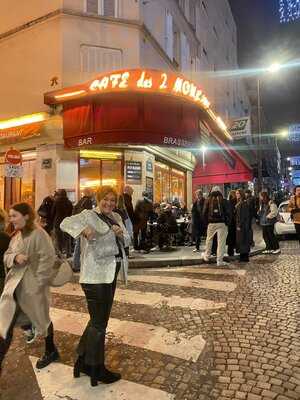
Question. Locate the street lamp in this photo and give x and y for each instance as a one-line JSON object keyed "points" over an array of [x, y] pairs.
{"points": [[203, 149], [272, 69]]}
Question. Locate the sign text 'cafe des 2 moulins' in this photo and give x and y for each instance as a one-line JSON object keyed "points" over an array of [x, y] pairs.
{"points": [[136, 107]]}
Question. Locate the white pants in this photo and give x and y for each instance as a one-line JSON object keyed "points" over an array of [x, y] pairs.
{"points": [[222, 231]]}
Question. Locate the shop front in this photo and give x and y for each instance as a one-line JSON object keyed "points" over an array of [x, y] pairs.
{"points": [[136, 127]]}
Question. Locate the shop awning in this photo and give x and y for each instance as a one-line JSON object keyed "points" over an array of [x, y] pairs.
{"points": [[222, 165], [136, 107]]}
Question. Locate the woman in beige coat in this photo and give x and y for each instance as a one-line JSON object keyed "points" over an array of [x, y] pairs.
{"points": [[29, 263]]}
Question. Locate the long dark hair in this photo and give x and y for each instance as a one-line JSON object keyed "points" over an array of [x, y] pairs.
{"points": [[26, 209], [265, 198]]}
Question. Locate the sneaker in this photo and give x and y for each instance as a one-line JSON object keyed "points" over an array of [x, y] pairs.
{"points": [[222, 263], [278, 251], [47, 359], [30, 335], [266, 252], [196, 251]]}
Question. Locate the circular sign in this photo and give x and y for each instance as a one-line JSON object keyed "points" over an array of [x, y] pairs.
{"points": [[13, 156]]}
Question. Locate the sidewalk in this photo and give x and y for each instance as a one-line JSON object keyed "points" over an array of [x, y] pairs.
{"points": [[182, 255]]}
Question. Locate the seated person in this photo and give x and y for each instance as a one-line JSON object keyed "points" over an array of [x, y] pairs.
{"points": [[166, 225]]}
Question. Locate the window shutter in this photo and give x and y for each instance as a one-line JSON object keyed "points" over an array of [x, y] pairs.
{"points": [[169, 35], [185, 53], [92, 6]]}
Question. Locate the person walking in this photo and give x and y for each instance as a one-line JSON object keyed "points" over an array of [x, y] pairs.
{"points": [[267, 214], [142, 212], [29, 260], [231, 238], [85, 203], [253, 211], [198, 225], [217, 214], [243, 226], [4, 243], [294, 209], [45, 213], [61, 209], [127, 195], [104, 239]]}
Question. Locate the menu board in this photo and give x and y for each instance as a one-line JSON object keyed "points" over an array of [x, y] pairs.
{"points": [[149, 187], [133, 172]]}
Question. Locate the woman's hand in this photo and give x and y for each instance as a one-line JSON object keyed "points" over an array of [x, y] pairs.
{"points": [[89, 233], [117, 231], [21, 260]]}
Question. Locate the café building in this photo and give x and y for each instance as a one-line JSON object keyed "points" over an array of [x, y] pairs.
{"points": [[135, 127]]}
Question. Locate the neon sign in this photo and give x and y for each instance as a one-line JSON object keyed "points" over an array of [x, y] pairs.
{"points": [[152, 81]]}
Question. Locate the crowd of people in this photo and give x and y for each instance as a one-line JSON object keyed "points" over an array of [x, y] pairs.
{"points": [[98, 233]]}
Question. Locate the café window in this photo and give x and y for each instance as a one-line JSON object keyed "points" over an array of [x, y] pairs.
{"points": [[98, 168], [169, 184]]}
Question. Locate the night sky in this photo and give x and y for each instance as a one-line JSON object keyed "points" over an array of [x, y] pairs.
{"points": [[262, 41]]}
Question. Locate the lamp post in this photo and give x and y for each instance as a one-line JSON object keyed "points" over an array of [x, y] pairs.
{"points": [[272, 69]]}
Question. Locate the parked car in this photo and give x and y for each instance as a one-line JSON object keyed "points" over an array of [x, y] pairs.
{"points": [[285, 225]]}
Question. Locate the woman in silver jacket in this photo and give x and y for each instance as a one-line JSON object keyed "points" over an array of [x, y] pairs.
{"points": [[29, 262], [103, 241]]}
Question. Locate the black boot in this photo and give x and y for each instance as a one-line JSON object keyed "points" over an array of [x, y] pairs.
{"points": [[106, 376], [51, 353]]}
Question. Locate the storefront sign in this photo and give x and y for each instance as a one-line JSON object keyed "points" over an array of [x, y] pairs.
{"points": [[11, 135], [149, 187], [241, 128], [149, 166], [46, 163], [134, 172]]}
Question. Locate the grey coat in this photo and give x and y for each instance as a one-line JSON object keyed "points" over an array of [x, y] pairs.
{"points": [[29, 284]]}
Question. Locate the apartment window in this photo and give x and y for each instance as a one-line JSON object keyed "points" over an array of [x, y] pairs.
{"points": [[182, 5], [96, 59], [176, 44], [204, 7], [193, 13], [169, 42], [108, 8]]}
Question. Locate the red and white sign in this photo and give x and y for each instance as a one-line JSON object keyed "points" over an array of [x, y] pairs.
{"points": [[13, 164], [13, 156]]}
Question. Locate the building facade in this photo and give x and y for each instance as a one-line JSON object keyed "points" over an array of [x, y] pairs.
{"points": [[55, 44]]}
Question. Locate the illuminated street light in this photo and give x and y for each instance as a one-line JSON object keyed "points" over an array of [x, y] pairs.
{"points": [[290, 168], [274, 68], [284, 133], [288, 159], [204, 150]]}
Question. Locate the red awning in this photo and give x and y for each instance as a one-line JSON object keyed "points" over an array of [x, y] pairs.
{"points": [[136, 107]]}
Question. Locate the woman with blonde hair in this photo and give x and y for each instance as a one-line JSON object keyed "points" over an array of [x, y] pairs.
{"points": [[29, 261], [103, 241], [4, 243]]}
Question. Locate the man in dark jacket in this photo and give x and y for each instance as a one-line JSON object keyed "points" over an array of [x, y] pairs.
{"points": [[45, 213], [142, 212], [166, 226], [61, 209], [198, 224], [127, 195], [250, 199], [217, 214]]}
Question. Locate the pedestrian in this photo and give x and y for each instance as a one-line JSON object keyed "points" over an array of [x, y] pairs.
{"points": [[85, 203], [267, 214], [122, 211], [243, 226], [231, 238], [45, 213], [142, 213], [4, 243], [104, 238], [294, 208], [167, 226], [253, 211], [127, 195], [61, 209], [217, 214], [198, 224], [26, 293]]}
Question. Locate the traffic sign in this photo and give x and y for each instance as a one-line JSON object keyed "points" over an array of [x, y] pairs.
{"points": [[13, 156]]}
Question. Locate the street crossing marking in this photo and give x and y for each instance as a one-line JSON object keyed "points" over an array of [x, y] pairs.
{"points": [[200, 270], [146, 336], [185, 282], [147, 298], [56, 382]]}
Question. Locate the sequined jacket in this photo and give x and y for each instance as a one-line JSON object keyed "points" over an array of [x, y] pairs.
{"points": [[98, 256]]}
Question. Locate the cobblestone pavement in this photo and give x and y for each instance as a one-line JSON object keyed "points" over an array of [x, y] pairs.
{"points": [[251, 351]]}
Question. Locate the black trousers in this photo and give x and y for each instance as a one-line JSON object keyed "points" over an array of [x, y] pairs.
{"points": [[99, 299], [142, 244], [297, 227], [270, 238]]}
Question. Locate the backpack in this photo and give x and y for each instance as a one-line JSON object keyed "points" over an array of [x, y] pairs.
{"points": [[215, 212]]}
